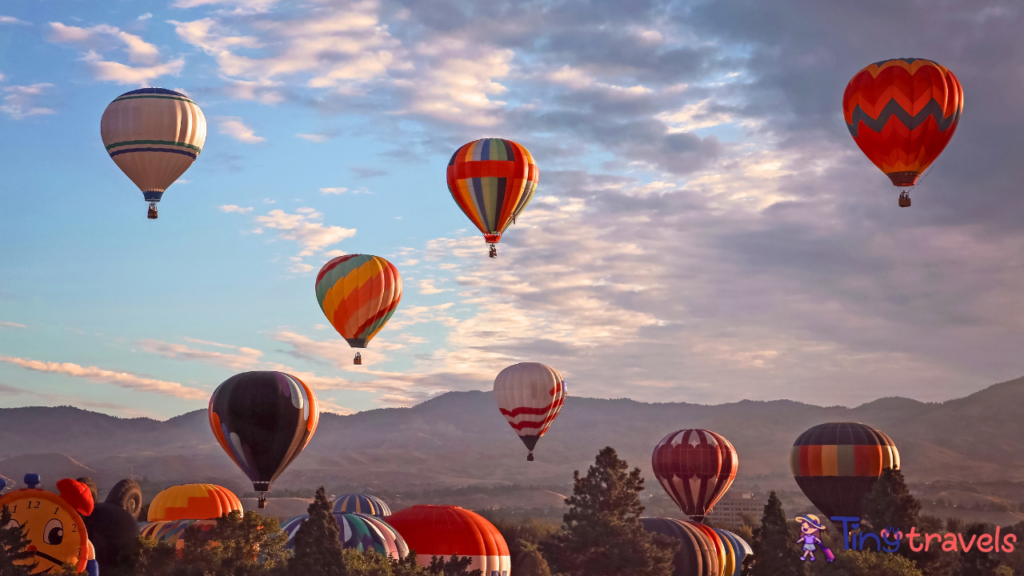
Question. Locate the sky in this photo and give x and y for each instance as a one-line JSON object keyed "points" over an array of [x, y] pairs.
{"points": [[705, 229]]}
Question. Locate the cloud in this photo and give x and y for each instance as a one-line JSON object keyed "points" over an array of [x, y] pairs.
{"points": [[303, 228], [332, 407], [318, 138], [233, 208], [145, 16], [363, 172], [244, 359], [121, 379], [235, 128], [4, 324], [333, 190], [427, 288], [19, 101], [145, 57], [12, 20], [241, 6]]}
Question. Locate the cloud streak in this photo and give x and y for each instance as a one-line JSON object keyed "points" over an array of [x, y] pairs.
{"points": [[121, 379]]}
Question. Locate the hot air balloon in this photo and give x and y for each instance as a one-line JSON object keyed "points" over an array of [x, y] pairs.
{"points": [[446, 530], [263, 420], [193, 502], [173, 532], [128, 495], [740, 550], [359, 531], [530, 396], [153, 135], [695, 467], [697, 556], [902, 113], [492, 180], [358, 294], [363, 504], [837, 463], [113, 532]]}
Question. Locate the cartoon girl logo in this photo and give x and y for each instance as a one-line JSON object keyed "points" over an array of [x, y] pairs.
{"points": [[810, 537]]}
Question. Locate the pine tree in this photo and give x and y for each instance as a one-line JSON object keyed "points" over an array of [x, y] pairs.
{"points": [[890, 503], [868, 563], [774, 544], [454, 566], [602, 534], [976, 562], [531, 562], [13, 548], [317, 548]]}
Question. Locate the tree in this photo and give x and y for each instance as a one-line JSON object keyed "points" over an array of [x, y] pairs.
{"points": [[14, 554], [889, 503], [531, 562], [369, 563], [155, 559], [976, 562], [249, 544], [869, 563], [774, 543], [524, 538], [602, 534], [317, 548], [455, 566]]}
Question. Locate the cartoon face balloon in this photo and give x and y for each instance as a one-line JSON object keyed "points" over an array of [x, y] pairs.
{"points": [[53, 523]]}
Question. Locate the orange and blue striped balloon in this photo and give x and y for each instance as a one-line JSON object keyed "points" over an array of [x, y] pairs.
{"points": [[492, 180], [358, 294]]}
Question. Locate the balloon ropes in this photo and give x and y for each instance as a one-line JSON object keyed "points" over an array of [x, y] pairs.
{"points": [[902, 114], [263, 420], [530, 396], [358, 293], [492, 180], [153, 135], [837, 463], [695, 467]]}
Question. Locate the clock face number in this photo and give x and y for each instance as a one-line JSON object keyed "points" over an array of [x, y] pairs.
{"points": [[74, 527]]}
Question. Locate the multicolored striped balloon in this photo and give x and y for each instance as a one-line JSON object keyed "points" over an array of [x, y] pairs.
{"points": [[837, 463], [902, 114], [153, 135], [530, 396], [697, 556], [695, 467], [739, 549], [193, 502], [263, 420], [358, 294], [359, 531], [492, 180], [363, 504]]}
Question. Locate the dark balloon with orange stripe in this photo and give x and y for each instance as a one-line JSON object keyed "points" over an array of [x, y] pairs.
{"points": [[837, 463], [902, 114]]}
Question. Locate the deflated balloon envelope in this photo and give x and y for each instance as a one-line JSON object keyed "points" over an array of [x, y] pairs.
{"points": [[114, 534]]}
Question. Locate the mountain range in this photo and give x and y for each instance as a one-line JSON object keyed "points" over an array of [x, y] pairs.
{"points": [[459, 439]]}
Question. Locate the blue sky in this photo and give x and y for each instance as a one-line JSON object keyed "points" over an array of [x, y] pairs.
{"points": [[704, 230]]}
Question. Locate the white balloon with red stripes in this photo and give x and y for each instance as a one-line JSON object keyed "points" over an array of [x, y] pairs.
{"points": [[529, 395]]}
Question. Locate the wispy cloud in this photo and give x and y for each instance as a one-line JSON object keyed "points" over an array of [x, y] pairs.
{"points": [[234, 127], [318, 138], [304, 228], [227, 209], [19, 101], [244, 359], [4, 324], [122, 379], [12, 20], [363, 172], [146, 63], [333, 190], [145, 16]]}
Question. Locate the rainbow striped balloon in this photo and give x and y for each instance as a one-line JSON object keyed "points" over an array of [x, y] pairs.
{"points": [[492, 180], [153, 135], [358, 294]]}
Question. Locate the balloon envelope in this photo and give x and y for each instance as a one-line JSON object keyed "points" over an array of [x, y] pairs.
{"points": [[740, 550], [902, 114], [695, 467], [530, 396], [837, 463], [358, 294], [153, 135], [193, 502], [447, 530], [263, 420], [492, 180], [113, 532], [363, 504], [697, 556], [359, 531]]}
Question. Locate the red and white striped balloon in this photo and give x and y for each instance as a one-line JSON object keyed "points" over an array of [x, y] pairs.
{"points": [[529, 395], [695, 467]]}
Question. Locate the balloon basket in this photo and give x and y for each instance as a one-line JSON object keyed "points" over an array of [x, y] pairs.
{"points": [[262, 502], [152, 215], [529, 457], [494, 251], [358, 360], [904, 200]]}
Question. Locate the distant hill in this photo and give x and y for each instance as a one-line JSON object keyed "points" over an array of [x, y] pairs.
{"points": [[459, 438]]}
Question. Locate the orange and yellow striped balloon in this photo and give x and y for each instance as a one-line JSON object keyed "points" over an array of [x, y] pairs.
{"points": [[193, 502], [153, 135], [358, 294]]}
